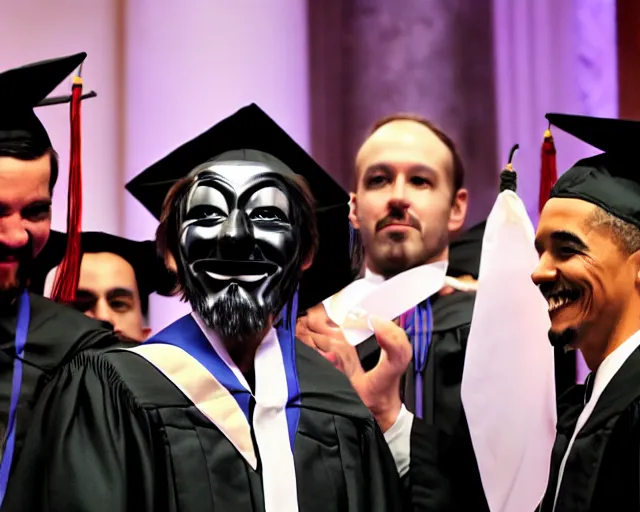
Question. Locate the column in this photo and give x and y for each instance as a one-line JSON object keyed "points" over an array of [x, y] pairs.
{"points": [[190, 64]]}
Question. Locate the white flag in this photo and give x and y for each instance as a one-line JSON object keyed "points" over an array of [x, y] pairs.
{"points": [[508, 384], [351, 307]]}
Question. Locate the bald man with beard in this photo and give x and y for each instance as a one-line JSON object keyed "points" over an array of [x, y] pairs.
{"points": [[408, 202]]}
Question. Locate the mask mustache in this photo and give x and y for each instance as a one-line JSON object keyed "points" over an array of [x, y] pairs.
{"points": [[398, 218]]}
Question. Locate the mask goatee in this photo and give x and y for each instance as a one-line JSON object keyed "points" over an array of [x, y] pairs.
{"points": [[234, 315]]}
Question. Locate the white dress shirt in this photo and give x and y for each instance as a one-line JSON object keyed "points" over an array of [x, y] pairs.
{"points": [[398, 437]]}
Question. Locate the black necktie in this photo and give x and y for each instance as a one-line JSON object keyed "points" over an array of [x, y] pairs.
{"points": [[588, 387]]}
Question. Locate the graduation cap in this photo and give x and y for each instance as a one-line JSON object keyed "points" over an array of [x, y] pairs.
{"points": [[250, 128], [150, 271], [610, 180], [26, 88], [465, 251]]}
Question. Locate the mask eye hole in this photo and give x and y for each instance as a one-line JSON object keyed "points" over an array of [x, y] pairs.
{"points": [[268, 214], [205, 211]]}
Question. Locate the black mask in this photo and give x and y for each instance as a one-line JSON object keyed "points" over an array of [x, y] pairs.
{"points": [[239, 246]]}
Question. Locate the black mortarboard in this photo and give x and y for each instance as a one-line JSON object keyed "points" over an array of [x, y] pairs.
{"points": [[610, 180], [151, 274], [465, 251], [251, 128], [25, 88]]}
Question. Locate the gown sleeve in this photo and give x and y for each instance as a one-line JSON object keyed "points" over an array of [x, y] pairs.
{"points": [[88, 448], [426, 486], [381, 476]]}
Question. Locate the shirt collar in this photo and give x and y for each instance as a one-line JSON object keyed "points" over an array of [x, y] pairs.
{"points": [[374, 278], [377, 278], [612, 364]]}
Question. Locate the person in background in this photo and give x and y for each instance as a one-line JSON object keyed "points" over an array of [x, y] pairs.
{"points": [[117, 276], [409, 198]]}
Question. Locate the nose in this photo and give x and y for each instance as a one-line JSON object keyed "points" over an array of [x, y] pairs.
{"points": [[236, 237], [545, 272], [398, 199], [12, 232]]}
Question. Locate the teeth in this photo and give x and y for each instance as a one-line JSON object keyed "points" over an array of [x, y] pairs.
{"points": [[556, 302], [249, 278]]}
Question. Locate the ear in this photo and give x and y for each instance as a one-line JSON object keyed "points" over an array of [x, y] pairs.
{"points": [[170, 262], [308, 261], [146, 332], [458, 212], [634, 259], [353, 210]]}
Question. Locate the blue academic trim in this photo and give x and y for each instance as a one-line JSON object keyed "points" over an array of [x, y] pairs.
{"points": [[419, 327], [287, 340], [22, 330], [187, 335]]}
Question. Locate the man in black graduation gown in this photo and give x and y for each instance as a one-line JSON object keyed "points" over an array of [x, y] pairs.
{"points": [[36, 335], [117, 276], [588, 239], [409, 198], [222, 410]]}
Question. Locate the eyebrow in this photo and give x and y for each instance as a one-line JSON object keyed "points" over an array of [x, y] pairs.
{"points": [[388, 168], [119, 293], [36, 203], [85, 295], [564, 237], [570, 238], [39, 202]]}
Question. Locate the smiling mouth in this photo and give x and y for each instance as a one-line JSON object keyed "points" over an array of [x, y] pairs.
{"points": [[246, 278], [241, 271], [562, 297]]}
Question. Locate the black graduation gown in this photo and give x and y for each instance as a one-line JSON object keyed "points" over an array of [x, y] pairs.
{"points": [[603, 470], [56, 334], [451, 482], [112, 433]]}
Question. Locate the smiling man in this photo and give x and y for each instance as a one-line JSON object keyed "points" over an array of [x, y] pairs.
{"points": [[588, 239], [223, 409], [36, 334]]}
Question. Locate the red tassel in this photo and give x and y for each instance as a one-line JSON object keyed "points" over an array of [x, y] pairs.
{"points": [[548, 170], [68, 274]]}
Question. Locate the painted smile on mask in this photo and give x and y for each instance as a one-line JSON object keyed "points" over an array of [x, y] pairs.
{"points": [[238, 243]]}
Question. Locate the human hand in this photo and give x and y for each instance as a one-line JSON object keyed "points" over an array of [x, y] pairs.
{"points": [[379, 388]]}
